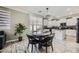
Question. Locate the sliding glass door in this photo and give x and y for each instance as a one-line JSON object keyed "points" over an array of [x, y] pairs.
{"points": [[35, 24]]}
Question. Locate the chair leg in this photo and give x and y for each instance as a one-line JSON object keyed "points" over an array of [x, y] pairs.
{"points": [[32, 48], [52, 47], [41, 49], [46, 49], [35, 47], [28, 46]]}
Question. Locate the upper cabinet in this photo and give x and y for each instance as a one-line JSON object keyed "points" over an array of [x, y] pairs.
{"points": [[72, 21]]}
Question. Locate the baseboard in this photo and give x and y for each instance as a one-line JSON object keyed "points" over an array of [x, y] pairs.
{"points": [[11, 40]]}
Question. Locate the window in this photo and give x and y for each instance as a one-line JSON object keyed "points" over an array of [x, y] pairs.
{"points": [[4, 18]]}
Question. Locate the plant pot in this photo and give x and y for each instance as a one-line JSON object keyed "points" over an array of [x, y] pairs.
{"points": [[20, 38]]}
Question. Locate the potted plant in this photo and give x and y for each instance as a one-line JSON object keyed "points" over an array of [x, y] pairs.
{"points": [[19, 29]]}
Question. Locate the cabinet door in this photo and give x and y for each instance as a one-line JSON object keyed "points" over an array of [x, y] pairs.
{"points": [[71, 22]]}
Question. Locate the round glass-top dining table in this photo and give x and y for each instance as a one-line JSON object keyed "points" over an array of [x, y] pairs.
{"points": [[39, 37]]}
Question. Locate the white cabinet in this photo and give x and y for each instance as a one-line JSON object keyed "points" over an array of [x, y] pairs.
{"points": [[60, 34], [71, 32], [72, 21]]}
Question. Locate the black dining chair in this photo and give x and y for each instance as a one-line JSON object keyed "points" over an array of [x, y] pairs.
{"points": [[33, 41], [47, 41]]}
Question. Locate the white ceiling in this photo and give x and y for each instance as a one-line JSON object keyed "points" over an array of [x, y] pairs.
{"points": [[57, 11]]}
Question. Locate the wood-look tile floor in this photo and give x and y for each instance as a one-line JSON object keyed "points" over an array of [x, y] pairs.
{"points": [[67, 45]]}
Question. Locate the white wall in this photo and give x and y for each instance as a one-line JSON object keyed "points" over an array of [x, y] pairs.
{"points": [[17, 17]]}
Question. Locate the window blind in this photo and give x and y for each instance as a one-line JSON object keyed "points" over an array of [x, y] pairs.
{"points": [[4, 18]]}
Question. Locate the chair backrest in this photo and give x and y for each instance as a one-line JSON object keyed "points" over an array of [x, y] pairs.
{"points": [[53, 34], [48, 38], [31, 37]]}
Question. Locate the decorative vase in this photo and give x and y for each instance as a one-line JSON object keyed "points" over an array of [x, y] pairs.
{"points": [[20, 38]]}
